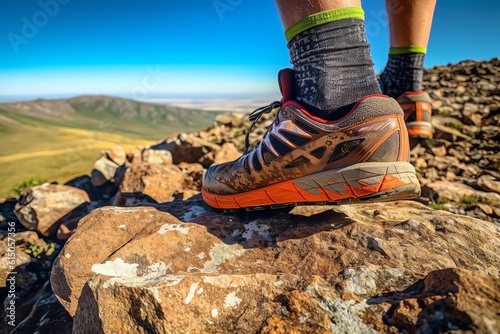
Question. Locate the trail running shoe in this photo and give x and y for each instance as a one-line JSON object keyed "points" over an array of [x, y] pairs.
{"points": [[418, 110], [303, 159]]}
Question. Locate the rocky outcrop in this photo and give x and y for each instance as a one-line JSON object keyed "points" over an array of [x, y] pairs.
{"points": [[181, 266]]}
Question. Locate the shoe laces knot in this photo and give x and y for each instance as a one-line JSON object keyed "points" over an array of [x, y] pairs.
{"points": [[255, 116]]}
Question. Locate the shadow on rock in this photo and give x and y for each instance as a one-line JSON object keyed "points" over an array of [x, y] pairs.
{"points": [[256, 228]]}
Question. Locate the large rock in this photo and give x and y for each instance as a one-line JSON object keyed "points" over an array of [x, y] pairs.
{"points": [[150, 182], [182, 267], [44, 208]]}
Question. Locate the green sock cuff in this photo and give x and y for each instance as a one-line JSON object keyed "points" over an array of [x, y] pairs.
{"points": [[407, 49], [320, 18]]}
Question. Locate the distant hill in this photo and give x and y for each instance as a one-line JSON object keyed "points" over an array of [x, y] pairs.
{"points": [[126, 116], [59, 139]]}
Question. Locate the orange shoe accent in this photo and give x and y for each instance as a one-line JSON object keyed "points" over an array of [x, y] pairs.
{"points": [[417, 112], [421, 132], [287, 192]]}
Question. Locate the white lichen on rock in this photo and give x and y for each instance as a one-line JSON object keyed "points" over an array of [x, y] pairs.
{"points": [[231, 300], [116, 268], [174, 227], [190, 295]]}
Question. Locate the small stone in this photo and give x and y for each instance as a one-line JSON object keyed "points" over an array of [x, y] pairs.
{"points": [[420, 163], [450, 175], [489, 183], [156, 156], [439, 151], [485, 208]]}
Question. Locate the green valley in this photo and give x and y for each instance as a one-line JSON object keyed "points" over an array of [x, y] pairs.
{"points": [[57, 140]]}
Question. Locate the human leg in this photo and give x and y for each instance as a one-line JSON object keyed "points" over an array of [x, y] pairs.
{"points": [[330, 54], [410, 25]]}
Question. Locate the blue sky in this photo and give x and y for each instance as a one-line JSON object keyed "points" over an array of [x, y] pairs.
{"points": [[154, 48]]}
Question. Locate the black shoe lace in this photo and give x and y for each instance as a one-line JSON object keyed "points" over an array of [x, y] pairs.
{"points": [[255, 116]]}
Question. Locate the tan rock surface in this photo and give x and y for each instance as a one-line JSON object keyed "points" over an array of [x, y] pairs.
{"points": [[182, 267], [227, 152], [150, 182], [43, 208], [118, 155]]}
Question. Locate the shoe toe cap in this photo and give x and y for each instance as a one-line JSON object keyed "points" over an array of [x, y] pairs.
{"points": [[212, 185]]}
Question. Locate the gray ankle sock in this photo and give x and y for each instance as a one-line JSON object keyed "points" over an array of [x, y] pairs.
{"points": [[333, 66], [403, 73]]}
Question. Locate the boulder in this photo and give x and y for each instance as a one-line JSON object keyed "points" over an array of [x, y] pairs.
{"points": [[183, 267], [149, 182], [43, 208]]}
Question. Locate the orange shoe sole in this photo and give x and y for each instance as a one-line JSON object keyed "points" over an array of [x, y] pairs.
{"points": [[372, 181]]}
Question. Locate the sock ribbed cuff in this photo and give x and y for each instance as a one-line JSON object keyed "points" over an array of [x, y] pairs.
{"points": [[407, 49], [322, 18]]}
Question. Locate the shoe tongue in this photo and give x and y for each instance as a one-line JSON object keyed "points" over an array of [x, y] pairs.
{"points": [[286, 80]]}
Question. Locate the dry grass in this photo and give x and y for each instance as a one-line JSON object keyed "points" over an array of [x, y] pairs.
{"points": [[54, 154]]}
